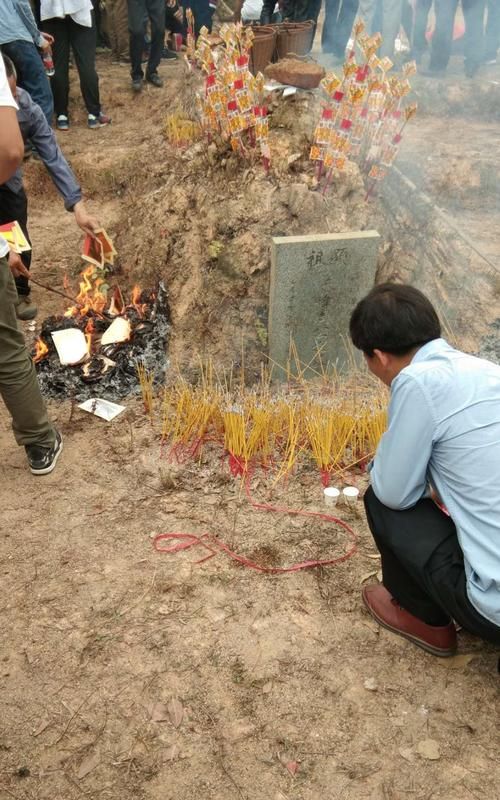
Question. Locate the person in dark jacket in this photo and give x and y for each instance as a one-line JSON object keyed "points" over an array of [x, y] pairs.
{"points": [[13, 200]]}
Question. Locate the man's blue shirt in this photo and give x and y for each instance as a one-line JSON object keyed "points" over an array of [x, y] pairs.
{"points": [[444, 430]]}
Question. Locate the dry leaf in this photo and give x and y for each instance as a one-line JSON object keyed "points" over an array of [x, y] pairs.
{"points": [[379, 576], [159, 712], [429, 749], [87, 765], [457, 662], [406, 753], [292, 767], [175, 712], [44, 724], [171, 752], [373, 555], [371, 684]]}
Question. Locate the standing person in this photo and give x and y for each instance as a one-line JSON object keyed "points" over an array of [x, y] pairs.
{"points": [[337, 27], [72, 24], [391, 13], [13, 201], [434, 502], [21, 40], [18, 382], [117, 25], [443, 36], [139, 11], [492, 32], [419, 40]]}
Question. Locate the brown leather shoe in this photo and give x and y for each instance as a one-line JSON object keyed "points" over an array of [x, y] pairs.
{"points": [[439, 640]]}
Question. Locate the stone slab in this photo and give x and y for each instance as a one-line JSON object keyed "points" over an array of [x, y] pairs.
{"points": [[316, 281]]}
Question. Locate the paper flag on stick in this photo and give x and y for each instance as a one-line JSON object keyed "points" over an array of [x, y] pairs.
{"points": [[14, 237], [99, 249]]}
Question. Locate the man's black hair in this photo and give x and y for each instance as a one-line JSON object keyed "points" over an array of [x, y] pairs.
{"points": [[9, 67], [395, 318]]}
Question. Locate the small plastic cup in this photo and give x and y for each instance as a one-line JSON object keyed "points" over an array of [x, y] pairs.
{"points": [[331, 495], [350, 495]]}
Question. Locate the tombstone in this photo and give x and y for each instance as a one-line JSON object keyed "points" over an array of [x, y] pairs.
{"points": [[316, 281]]}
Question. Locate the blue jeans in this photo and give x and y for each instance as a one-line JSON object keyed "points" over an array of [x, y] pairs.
{"points": [[31, 74]]}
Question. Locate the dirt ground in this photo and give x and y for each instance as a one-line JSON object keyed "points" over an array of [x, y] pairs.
{"points": [[127, 674]]}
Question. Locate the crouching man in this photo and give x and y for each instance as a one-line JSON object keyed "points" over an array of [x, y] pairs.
{"points": [[434, 502]]}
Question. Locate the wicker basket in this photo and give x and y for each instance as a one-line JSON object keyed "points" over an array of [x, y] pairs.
{"points": [[263, 48], [295, 38]]}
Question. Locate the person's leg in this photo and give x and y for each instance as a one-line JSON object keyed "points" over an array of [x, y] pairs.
{"points": [[406, 540], [136, 27], [18, 382], [156, 13], [419, 42], [474, 20], [345, 21], [31, 74], [407, 19], [366, 12], [378, 18], [59, 29], [423, 565], [443, 34], [492, 32], [112, 28], [83, 44], [329, 25], [121, 29], [391, 23]]}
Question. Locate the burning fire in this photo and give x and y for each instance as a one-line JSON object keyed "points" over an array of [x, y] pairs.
{"points": [[89, 297], [41, 350], [92, 300]]}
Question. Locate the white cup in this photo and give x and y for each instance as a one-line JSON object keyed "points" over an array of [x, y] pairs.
{"points": [[350, 495], [331, 495]]}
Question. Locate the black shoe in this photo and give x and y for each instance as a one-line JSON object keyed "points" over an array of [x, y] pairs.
{"points": [[42, 460], [137, 85], [169, 55], [470, 69], [155, 80]]}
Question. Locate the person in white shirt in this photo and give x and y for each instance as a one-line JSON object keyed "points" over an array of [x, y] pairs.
{"points": [[18, 382]]}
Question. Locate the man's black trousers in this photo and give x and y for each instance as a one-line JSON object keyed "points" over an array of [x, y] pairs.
{"points": [[138, 12], [14, 206], [423, 565]]}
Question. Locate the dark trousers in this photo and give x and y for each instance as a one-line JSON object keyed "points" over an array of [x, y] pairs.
{"points": [[443, 35], [138, 13], [14, 206], [419, 41], [423, 565], [31, 74], [82, 41], [492, 31], [337, 27]]}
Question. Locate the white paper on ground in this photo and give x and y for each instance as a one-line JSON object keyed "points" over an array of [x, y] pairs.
{"points": [[102, 408], [289, 90], [118, 331], [71, 346]]}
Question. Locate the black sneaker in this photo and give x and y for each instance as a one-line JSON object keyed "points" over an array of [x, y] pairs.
{"points": [[155, 79], [42, 460], [137, 85], [169, 55]]}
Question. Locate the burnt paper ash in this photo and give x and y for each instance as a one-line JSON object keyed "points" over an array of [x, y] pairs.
{"points": [[110, 371]]}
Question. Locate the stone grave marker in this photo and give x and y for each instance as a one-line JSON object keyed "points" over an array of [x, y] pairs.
{"points": [[316, 281]]}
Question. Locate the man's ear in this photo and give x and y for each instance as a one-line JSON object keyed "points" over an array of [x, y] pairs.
{"points": [[382, 357]]}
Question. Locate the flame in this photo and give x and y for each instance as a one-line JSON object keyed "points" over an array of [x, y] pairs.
{"points": [[135, 297], [90, 297], [89, 331], [41, 350]]}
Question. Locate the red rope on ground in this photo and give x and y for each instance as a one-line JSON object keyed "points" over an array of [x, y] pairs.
{"points": [[186, 540]]}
